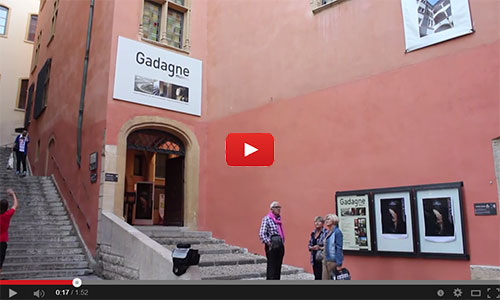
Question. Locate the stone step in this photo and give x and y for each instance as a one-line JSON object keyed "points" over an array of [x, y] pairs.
{"points": [[230, 259], [44, 238], [23, 251], [211, 248], [38, 266], [238, 272], [55, 258], [42, 244], [39, 233], [190, 240], [15, 223], [41, 213], [178, 234], [41, 219], [21, 228], [68, 273]]}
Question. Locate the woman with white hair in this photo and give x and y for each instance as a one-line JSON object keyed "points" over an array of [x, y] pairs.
{"points": [[273, 237], [333, 247]]}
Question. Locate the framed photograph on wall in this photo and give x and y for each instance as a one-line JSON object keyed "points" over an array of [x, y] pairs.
{"points": [[393, 221], [441, 220], [427, 22], [354, 221]]}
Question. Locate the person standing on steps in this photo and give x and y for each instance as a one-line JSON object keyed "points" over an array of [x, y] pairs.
{"points": [[5, 216], [273, 237], [21, 149]]}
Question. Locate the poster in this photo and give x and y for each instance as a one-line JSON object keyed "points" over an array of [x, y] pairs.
{"points": [[440, 221], [354, 221], [393, 222], [427, 22], [157, 77]]}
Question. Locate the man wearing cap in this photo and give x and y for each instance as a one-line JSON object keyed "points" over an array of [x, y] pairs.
{"points": [[273, 237]]}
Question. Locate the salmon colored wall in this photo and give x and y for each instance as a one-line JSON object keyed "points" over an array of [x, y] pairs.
{"points": [[59, 120], [265, 51], [425, 123], [131, 10]]}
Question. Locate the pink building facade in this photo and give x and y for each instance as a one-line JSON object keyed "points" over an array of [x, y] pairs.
{"points": [[348, 109]]}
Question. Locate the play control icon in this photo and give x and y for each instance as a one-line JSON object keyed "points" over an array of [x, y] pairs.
{"points": [[249, 149], [12, 293]]}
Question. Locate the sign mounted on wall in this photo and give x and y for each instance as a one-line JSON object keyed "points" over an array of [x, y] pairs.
{"points": [[427, 22], [156, 77]]}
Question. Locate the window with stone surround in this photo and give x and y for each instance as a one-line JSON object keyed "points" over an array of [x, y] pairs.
{"points": [[166, 23], [319, 5], [55, 11], [4, 18]]}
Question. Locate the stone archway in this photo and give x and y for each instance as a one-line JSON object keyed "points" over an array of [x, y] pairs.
{"points": [[115, 162]]}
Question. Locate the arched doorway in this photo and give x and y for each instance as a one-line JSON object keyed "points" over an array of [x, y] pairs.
{"points": [[154, 178]]}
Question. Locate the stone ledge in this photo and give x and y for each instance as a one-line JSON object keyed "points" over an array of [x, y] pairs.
{"points": [[484, 272]]}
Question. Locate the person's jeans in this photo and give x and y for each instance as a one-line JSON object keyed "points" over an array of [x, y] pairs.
{"points": [[318, 270], [274, 262], [21, 159]]}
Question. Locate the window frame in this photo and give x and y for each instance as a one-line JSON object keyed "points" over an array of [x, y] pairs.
{"points": [[26, 36], [317, 5], [42, 4], [18, 98], [186, 24], [6, 21], [55, 12], [34, 61]]}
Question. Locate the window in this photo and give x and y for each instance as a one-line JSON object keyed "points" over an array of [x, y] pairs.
{"points": [[42, 89], [42, 3], [151, 18], [32, 28], [166, 22], [319, 5], [23, 93], [34, 61], [4, 16], [54, 20], [138, 165]]}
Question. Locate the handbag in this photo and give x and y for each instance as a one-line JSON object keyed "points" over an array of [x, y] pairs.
{"points": [[276, 242], [319, 255], [343, 274], [10, 162]]}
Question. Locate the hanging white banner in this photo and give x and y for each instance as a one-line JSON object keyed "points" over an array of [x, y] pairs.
{"points": [[156, 77], [427, 22]]}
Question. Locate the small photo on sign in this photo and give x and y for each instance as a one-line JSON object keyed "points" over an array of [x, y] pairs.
{"points": [[393, 216], [438, 217], [434, 16], [146, 85]]}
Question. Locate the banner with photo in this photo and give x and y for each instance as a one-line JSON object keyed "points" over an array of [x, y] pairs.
{"points": [[428, 22], [157, 77], [354, 221]]}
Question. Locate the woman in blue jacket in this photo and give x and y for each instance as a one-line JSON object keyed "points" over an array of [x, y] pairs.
{"points": [[333, 247]]}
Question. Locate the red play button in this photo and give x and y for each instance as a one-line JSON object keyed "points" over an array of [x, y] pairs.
{"points": [[249, 149]]}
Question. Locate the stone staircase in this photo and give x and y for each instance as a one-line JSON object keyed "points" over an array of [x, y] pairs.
{"points": [[42, 240], [220, 261]]}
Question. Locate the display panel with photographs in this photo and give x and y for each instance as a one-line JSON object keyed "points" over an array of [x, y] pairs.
{"points": [[440, 221], [393, 222], [161, 89], [354, 221], [427, 22]]}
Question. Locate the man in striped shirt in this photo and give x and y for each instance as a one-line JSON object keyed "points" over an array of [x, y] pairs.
{"points": [[273, 237]]}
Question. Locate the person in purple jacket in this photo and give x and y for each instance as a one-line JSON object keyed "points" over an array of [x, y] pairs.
{"points": [[21, 149]]}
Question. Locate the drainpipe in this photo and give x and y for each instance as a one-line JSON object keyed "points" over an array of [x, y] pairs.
{"points": [[84, 84]]}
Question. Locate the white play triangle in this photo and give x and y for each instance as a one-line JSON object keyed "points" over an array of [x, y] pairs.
{"points": [[249, 149]]}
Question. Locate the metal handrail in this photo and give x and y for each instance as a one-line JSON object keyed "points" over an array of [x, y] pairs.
{"points": [[70, 192]]}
